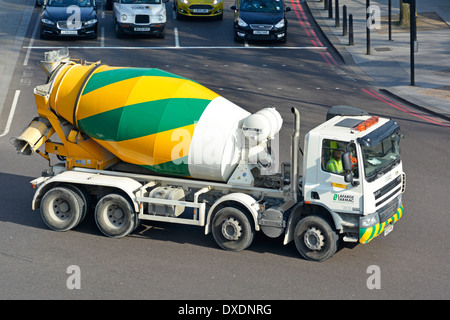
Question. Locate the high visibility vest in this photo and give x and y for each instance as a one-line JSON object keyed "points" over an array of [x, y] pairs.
{"points": [[335, 166]]}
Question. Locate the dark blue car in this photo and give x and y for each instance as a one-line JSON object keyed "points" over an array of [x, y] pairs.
{"points": [[260, 20], [64, 18]]}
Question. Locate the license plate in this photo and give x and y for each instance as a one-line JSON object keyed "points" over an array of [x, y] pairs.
{"points": [[141, 29], [260, 32], [200, 10], [69, 32], [388, 229]]}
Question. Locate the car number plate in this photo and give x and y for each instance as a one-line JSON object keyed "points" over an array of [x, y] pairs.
{"points": [[141, 29], [69, 32], [260, 32], [388, 229], [200, 10]]}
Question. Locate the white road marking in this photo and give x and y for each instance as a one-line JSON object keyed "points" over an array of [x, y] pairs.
{"points": [[11, 113], [175, 47], [177, 40], [27, 56], [102, 37]]}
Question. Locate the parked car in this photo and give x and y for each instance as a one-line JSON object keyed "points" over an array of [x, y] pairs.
{"points": [[198, 8], [260, 20], [59, 19], [140, 17]]}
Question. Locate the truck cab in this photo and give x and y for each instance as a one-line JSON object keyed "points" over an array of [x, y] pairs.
{"points": [[140, 17], [364, 197]]}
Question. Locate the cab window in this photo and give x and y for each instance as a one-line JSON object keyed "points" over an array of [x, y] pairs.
{"points": [[331, 159]]}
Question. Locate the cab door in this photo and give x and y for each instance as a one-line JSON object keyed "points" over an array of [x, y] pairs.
{"points": [[331, 189]]}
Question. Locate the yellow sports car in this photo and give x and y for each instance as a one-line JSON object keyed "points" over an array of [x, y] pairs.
{"points": [[198, 8]]}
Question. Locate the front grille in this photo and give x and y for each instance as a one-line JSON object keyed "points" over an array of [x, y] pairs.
{"points": [[63, 25], [142, 18], [387, 188], [389, 209], [200, 6], [261, 26]]}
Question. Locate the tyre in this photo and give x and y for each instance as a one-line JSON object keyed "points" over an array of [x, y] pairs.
{"points": [[85, 197], [62, 208], [315, 239], [118, 30], [115, 216], [232, 229]]}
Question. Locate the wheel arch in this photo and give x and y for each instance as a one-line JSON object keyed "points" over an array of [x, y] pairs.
{"points": [[240, 200], [122, 184], [302, 210]]}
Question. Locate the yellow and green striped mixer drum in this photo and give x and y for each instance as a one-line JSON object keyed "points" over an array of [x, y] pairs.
{"points": [[152, 118]]}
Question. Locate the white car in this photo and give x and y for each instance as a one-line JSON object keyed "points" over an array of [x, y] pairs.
{"points": [[140, 17]]}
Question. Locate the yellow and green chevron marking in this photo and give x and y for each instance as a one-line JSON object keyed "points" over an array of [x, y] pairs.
{"points": [[366, 235], [141, 115]]}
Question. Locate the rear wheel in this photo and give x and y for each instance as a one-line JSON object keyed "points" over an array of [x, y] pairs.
{"points": [[114, 216], [62, 208], [315, 239], [232, 229]]}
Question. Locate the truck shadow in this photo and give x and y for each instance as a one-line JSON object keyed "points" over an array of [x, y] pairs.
{"points": [[15, 207], [16, 195]]}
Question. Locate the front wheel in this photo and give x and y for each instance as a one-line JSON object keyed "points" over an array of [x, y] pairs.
{"points": [[232, 229], [114, 216], [315, 239]]}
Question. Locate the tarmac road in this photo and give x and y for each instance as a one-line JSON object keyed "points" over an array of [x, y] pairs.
{"points": [[168, 261]]}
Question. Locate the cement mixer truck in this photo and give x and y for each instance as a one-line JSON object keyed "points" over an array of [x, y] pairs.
{"points": [[138, 144]]}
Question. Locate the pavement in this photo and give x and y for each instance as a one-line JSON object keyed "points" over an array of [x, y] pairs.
{"points": [[388, 64], [15, 17]]}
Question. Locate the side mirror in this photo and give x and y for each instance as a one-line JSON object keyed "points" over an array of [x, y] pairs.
{"points": [[346, 161], [347, 166], [233, 8], [288, 9]]}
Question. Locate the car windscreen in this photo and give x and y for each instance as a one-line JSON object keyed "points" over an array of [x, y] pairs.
{"points": [[66, 3], [264, 6], [141, 1]]}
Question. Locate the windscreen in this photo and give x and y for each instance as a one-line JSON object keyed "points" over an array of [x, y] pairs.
{"points": [[141, 1], [66, 3], [381, 157], [266, 6]]}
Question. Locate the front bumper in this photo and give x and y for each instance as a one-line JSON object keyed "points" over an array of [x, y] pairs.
{"points": [[196, 10], [54, 31], [131, 28], [251, 34], [368, 234]]}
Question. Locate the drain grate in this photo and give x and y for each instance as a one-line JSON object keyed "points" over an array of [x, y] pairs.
{"points": [[383, 49]]}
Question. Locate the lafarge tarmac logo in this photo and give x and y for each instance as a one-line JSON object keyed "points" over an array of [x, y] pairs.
{"points": [[346, 198]]}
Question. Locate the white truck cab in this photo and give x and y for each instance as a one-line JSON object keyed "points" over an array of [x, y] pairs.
{"points": [[140, 17], [365, 198]]}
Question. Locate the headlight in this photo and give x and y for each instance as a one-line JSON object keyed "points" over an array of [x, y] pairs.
{"points": [[242, 23], [160, 17], [216, 2], [46, 21], [90, 22], [368, 221], [280, 24], [123, 17], [185, 1]]}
